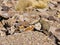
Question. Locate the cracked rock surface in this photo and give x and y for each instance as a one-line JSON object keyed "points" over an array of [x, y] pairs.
{"points": [[26, 38]]}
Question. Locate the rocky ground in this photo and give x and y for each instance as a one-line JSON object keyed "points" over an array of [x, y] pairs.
{"points": [[35, 24], [26, 38]]}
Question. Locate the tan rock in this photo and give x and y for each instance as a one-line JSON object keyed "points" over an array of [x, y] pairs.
{"points": [[55, 31], [27, 38], [45, 24]]}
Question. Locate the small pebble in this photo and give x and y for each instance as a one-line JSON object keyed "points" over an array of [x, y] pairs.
{"points": [[38, 26]]}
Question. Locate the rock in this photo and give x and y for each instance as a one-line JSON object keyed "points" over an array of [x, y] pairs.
{"points": [[52, 29], [51, 36], [35, 21], [37, 26], [31, 18], [44, 24], [55, 31], [27, 38], [3, 41]]}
